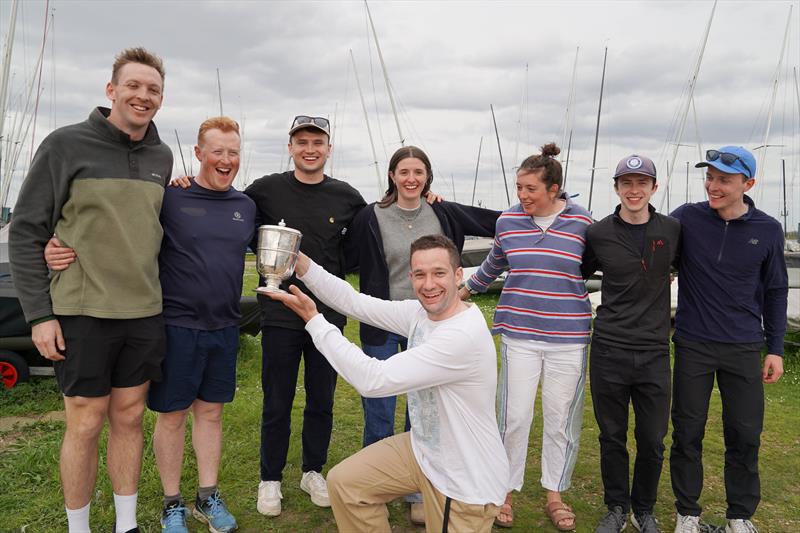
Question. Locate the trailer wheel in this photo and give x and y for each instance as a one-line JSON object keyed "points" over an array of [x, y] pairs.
{"points": [[13, 369]]}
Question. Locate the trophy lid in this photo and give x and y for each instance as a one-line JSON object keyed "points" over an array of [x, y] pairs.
{"points": [[281, 227]]}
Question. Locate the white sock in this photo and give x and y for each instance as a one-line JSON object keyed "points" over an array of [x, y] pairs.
{"points": [[78, 519], [125, 508]]}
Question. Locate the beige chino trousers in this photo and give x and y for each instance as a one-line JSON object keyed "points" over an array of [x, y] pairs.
{"points": [[361, 485]]}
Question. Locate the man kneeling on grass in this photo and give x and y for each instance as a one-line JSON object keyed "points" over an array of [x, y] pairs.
{"points": [[453, 454]]}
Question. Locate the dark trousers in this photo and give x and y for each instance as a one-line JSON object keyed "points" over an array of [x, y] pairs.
{"points": [[738, 371], [281, 349], [619, 376]]}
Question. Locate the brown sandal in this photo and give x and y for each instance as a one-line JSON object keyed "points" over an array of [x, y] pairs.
{"points": [[506, 509], [559, 513]]}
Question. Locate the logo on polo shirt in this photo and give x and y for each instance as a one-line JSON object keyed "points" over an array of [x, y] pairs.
{"points": [[753, 241], [237, 217]]}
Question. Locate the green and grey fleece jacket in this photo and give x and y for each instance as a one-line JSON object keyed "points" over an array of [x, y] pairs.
{"points": [[100, 193]]}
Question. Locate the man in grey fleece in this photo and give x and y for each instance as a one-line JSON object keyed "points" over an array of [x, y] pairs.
{"points": [[98, 186]]}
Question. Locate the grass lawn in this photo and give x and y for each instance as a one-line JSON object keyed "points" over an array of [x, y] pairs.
{"points": [[31, 501]]}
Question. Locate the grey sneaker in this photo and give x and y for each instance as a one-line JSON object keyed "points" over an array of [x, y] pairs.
{"points": [[613, 522], [687, 524], [645, 522], [314, 484], [740, 526], [269, 498]]}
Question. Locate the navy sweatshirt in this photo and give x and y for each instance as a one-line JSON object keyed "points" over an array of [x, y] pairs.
{"points": [[733, 284]]}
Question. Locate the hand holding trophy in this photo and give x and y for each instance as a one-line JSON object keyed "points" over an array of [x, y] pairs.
{"points": [[276, 255]]}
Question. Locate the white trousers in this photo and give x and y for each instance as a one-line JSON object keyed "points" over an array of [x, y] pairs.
{"points": [[562, 370]]}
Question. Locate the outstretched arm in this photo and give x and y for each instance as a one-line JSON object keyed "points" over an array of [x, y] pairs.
{"points": [[339, 295]]}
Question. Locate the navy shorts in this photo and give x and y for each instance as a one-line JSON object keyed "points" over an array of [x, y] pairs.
{"points": [[199, 365], [105, 352]]}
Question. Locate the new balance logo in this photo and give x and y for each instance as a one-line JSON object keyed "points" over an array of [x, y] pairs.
{"points": [[753, 241]]}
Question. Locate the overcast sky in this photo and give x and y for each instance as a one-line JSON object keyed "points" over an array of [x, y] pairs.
{"points": [[447, 62]]}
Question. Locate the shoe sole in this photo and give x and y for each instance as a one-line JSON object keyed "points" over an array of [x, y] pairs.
{"points": [[316, 501], [201, 517], [269, 511]]}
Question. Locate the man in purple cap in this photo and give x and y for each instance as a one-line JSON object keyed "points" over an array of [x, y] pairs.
{"points": [[731, 300], [635, 248]]}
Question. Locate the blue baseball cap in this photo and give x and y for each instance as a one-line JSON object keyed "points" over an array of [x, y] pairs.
{"points": [[732, 160]]}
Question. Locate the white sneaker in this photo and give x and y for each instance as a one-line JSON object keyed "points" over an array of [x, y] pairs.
{"points": [[269, 498], [740, 526], [687, 524], [314, 484]]}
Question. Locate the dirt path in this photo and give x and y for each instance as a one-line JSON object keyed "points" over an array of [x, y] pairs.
{"points": [[11, 427]]}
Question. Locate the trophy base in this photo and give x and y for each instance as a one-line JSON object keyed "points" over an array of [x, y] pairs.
{"points": [[267, 290]]}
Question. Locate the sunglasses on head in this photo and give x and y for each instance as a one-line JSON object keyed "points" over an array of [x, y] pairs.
{"points": [[321, 122], [728, 159]]}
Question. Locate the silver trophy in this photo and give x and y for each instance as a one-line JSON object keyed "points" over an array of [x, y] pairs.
{"points": [[277, 255]]}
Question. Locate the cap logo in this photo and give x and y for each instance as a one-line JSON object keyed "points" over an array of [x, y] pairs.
{"points": [[634, 163]]}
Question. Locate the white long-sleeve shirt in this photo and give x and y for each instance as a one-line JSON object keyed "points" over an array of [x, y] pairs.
{"points": [[449, 372]]}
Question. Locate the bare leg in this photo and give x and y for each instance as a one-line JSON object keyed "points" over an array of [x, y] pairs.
{"points": [[85, 417], [168, 439], [207, 440], [125, 413]]}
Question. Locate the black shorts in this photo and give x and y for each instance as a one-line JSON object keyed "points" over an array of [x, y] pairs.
{"points": [[103, 353]]}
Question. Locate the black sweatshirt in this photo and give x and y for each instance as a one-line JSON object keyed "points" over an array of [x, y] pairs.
{"points": [[322, 212], [635, 313]]}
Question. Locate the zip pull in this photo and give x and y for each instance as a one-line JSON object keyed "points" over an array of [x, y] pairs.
{"points": [[644, 265]]}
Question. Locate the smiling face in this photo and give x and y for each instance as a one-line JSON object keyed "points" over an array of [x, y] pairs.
{"points": [[135, 97], [309, 149], [218, 153], [535, 197], [726, 191], [409, 178], [634, 191], [435, 282]]}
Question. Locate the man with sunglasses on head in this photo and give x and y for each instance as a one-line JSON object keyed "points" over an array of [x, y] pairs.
{"points": [[321, 208], [732, 297]]}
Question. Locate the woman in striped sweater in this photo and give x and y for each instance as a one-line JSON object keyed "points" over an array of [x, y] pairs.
{"points": [[543, 318]]}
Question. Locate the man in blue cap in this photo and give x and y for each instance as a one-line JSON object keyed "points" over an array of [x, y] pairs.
{"points": [[732, 298]]}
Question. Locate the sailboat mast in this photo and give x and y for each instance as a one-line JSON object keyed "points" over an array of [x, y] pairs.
{"points": [[502, 165], [597, 128], [477, 164], [785, 212], [180, 151], [219, 94], [366, 119], [685, 112], [566, 162], [9, 45], [39, 78], [775, 81], [385, 76]]}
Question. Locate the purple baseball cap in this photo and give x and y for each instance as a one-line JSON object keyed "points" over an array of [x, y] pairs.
{"points": [[636, 164]]}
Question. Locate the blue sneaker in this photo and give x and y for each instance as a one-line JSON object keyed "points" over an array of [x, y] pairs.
{"points": [[173, 518], [213, 512]]}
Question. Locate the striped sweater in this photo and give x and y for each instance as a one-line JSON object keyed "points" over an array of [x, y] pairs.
{"points": [[544, 297]]}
